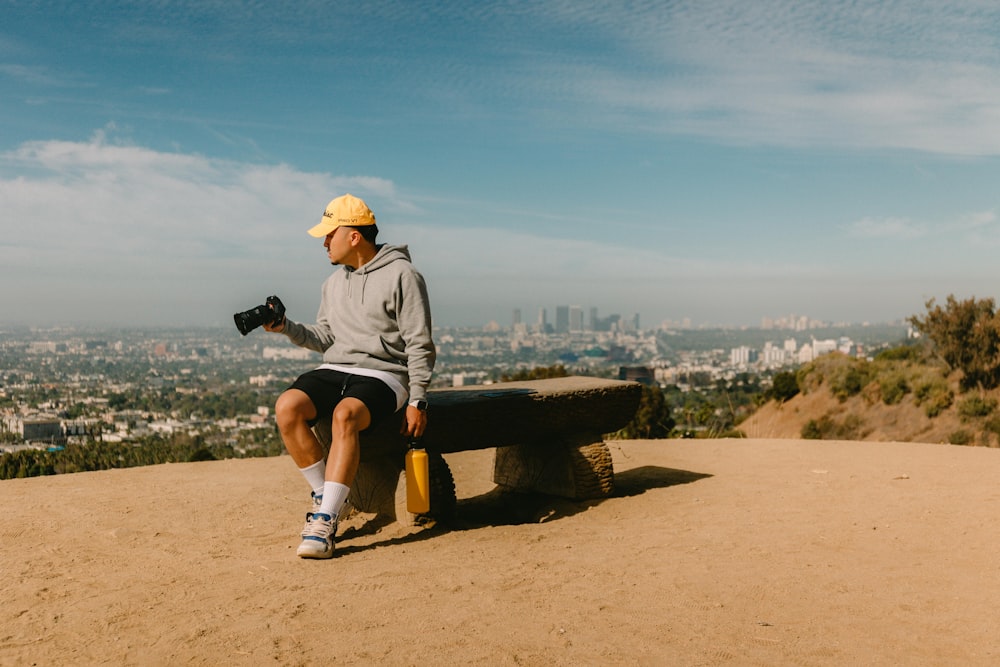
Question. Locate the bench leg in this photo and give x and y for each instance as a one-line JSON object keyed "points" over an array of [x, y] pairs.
{"points": [[579, 469], [374, 487]]}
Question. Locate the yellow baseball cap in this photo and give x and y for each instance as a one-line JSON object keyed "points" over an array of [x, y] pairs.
{"points": [[346, 210]]}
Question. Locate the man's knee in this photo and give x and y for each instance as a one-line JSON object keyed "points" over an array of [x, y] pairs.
{"points": [[351, 415], [293, 406]]}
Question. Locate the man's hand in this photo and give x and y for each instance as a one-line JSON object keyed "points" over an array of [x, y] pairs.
{"points": [[414, 423], [275, 327]]}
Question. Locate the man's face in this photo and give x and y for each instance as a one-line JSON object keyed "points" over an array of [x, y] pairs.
{"points": [[338, 244]]}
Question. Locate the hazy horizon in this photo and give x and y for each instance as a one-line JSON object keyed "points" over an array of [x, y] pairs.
{"points": [[503, 322]]}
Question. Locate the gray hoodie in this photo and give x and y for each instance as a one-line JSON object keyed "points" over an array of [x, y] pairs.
{"points": [[376, 317]]}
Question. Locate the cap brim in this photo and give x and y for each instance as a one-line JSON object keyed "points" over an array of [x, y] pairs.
{"points": [[322, 229]]}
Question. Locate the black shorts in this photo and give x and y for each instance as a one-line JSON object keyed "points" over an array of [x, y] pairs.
{"points": [[326, 387]]}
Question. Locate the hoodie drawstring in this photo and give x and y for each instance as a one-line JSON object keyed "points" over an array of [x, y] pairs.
{"points": [[350, 285]]}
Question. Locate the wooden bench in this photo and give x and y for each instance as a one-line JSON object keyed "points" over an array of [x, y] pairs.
{"points": [[548, 435]]}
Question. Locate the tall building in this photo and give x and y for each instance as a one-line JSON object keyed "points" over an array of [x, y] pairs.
{"points": [[562, 319], [773, 355], [516, 317], [575, 318], [543, 321], [739, 356]]}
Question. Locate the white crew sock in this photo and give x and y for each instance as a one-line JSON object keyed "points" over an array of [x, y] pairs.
{"points": [[334, 497], [315, 476]]}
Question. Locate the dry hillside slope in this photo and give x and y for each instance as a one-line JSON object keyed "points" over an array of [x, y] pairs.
{"points": [[901, 395]]}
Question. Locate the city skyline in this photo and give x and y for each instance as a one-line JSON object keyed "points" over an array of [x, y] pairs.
{"points": [[160, 165], [537, 320]]}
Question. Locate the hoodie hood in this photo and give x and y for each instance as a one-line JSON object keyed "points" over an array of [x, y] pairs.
{"points": [[386, 255]]}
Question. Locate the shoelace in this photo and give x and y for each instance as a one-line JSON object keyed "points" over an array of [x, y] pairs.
{"points": [[317, 527]]}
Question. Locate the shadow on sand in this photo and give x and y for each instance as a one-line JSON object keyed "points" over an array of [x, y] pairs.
{"points": [[502, 507]]}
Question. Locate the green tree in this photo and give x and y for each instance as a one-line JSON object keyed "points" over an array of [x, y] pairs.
{"points": [[652, 419], [783, 387], [899, 353], [966, 336]]}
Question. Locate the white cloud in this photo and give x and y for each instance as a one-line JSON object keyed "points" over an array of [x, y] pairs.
{"points": [[33, 74], [141, 232], [975, 227], [106, 197], [886, 228], [979, 228], [978, 220]]}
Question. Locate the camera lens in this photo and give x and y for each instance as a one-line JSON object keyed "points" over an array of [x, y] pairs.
{"points": [[249, 320]]}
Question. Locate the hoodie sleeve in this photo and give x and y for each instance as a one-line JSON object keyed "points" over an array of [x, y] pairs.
{"points": [[414, 317], [317, 337]]}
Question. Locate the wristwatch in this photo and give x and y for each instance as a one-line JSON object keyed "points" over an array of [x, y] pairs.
{"points": [[419, 404]]}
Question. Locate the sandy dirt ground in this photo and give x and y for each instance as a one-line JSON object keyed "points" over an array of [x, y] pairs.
{"points": [[712, 552]]}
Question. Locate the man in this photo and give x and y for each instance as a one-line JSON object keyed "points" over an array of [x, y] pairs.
{"points": [[374, 330]]}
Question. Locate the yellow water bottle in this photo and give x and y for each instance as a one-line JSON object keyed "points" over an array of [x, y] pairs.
{"points": [[418, 480]]}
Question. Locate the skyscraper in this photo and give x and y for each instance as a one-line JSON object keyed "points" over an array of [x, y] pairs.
{"points": [[562, 319]]}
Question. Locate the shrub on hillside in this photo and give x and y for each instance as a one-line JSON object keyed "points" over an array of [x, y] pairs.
{"points": [[813, 429], [848, 381], [934, 396], [853, 382], [828, 428], [844, 376], [960, 437], [893, 388], [992, 425], [976, 406]]}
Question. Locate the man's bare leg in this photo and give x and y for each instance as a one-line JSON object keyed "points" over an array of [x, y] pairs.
{"points": [[292, 411], [350, 418]]}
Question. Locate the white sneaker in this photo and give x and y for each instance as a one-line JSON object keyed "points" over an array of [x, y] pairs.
{"points": [[317, 536]]}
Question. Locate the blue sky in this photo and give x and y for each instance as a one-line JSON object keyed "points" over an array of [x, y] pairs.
{"points": [[160, 162]]}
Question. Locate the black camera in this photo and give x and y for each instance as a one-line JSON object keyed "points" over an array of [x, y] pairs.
{"points": [[272, 311]]}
